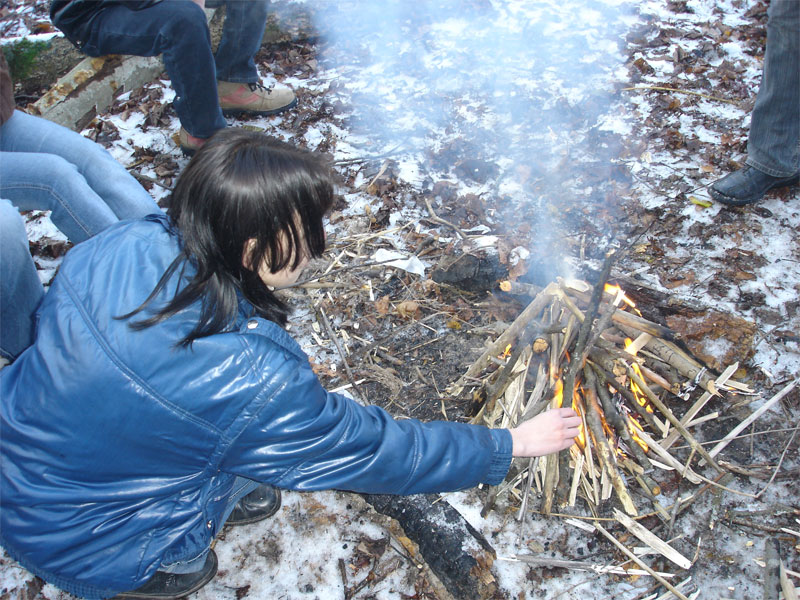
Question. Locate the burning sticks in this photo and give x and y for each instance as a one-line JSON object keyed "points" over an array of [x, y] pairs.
{"points": [[570, 341]]}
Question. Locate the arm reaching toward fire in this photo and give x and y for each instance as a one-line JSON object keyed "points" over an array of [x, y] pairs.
{"points": [[546, 433]]}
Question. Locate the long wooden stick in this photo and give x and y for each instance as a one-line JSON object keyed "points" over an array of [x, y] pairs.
{"points": [[623, 317], [619, 424], [698, 406], [652, 540], [551, 475], [532, 310], [744, 424], [604, 453], [608, 378], [656, 401], [550, 562], [639, 561], [670, 460]]}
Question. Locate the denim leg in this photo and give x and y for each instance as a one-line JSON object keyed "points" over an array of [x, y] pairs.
{"points": [[48, 182], [241, 487], [241, 38], [774, 143], [177, 29], [89, 185], [20, 288]]}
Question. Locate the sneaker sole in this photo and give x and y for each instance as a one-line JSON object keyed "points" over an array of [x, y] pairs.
{"points": [[238, 112]]}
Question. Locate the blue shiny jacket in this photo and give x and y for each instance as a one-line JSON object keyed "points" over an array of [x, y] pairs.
{"points": [[119, 450]]}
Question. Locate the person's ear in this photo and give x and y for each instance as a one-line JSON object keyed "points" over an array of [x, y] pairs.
{"points": [[247, 254]]}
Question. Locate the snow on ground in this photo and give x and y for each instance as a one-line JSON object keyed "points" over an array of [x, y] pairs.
{"points": [[529, 86]]}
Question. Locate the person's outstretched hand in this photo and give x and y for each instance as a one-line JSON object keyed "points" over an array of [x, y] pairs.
{"points": [[546, 433]]}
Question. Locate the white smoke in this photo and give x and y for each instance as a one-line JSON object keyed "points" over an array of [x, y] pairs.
{"points": [[495, 96]]}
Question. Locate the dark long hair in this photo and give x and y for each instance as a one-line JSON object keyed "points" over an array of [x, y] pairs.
{"points": [[239, 186]]}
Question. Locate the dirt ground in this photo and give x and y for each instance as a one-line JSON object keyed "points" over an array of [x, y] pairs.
{"points": [[707, 274]]}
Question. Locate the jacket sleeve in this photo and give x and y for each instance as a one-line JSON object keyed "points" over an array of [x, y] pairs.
{"points": [[299, 436]]}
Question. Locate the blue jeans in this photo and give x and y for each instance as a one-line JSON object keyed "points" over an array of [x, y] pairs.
{"points": [[21, 289], [177, 29], [774, 143], [47, 167], [241, 487]]}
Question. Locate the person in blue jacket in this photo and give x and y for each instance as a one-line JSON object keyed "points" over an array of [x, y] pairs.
{"points": [[162, 396]]}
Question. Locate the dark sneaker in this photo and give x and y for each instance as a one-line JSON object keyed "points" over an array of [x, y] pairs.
{"points": [[746, 186], [262, 502], [253, 98], [170, 586]]}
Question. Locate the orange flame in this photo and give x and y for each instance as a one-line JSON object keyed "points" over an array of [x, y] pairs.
{"points": [[558, 393], [635, 428], [614, 290], [558, 400], [637, 392]]}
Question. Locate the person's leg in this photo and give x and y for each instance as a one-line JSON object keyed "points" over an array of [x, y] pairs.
{"points": [[241, 38], [773, 147], [239, 87], [178, 30], [241, 488], [109, 182], [774, 143], [20, 288], [48, 182]]}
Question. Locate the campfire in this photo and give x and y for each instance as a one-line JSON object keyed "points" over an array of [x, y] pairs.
{"points": [[587, 346]]}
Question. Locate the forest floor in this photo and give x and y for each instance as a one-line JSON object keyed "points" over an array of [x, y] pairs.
{"points": [[544, 137]]}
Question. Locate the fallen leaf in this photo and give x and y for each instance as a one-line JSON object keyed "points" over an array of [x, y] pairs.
{"points": [[408, 309], [382, 305], [702, 203]]}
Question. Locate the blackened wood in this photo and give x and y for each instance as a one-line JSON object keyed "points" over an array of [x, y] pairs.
{"points": [[444, 539], [619, 424], [579, 354], [604, 454], [772, 579], [609, 379]]}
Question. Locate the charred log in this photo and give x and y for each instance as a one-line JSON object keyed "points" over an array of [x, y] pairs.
{"points": [[444, 539]]}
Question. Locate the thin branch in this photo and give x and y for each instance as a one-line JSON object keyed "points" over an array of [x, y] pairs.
{"points": [[141, 177], [437, 219], [778, 466], [658, 88], [335, 339]]}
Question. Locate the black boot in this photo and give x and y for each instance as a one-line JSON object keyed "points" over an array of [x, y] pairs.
{"points": [[170, 586], [746, 186], [262, 502]]}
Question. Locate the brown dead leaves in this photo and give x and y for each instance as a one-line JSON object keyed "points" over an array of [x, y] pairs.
{"points": [[717, 338]]}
